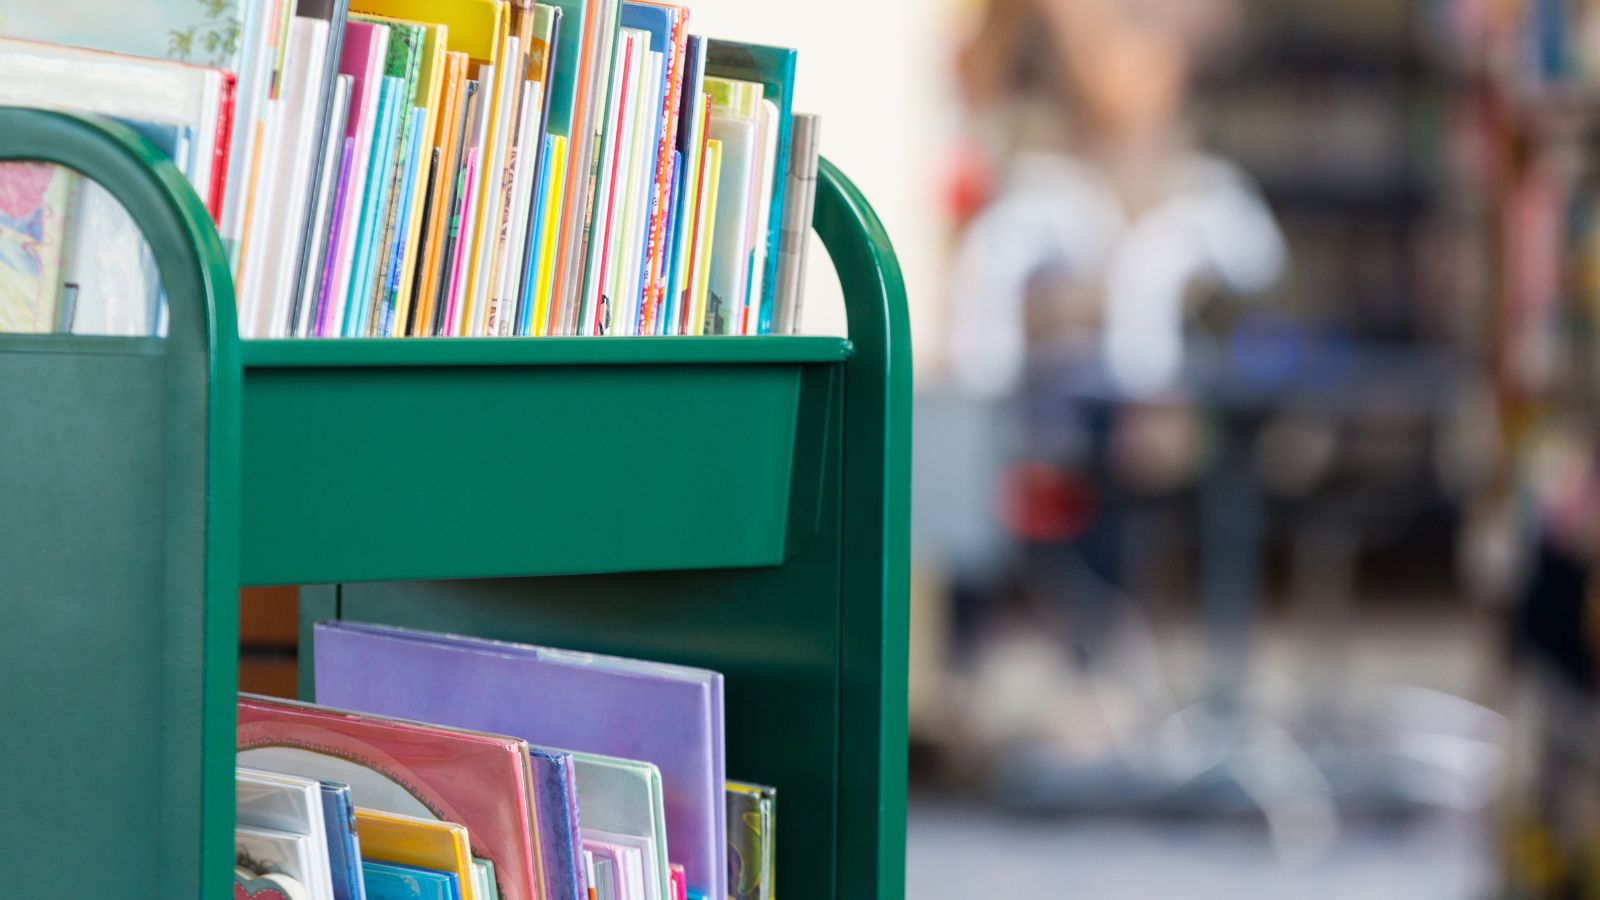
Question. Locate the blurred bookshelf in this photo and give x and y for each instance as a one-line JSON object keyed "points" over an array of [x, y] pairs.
{"points": [[1434, 167]]}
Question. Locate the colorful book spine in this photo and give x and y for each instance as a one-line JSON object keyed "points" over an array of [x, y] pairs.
{"points": [[358, 307]]}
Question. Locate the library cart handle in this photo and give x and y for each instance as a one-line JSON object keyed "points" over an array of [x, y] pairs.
{"points": [[194, 588], [877, 544]]}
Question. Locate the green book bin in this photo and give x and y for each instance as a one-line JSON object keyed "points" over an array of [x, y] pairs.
{"points": [[734, 503]]}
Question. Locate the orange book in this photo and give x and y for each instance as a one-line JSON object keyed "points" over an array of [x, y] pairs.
{"points": [[440, 191], [568, 276]]}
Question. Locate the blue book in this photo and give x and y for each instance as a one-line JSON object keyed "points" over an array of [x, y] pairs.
{"points": [[390, 881], [669, 300], [657, 21], [397, 242], [555, 792], [358, 303], [694, 68], [773, 69], [530, 256], [344, 851], [531, 259]]}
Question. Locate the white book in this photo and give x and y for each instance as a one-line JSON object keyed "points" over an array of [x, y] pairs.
{"points": [[511, 272], [593, 284], [625, 874], [315, 262], [253, 89], [486, 243], [250, 266], [730, 250], [624, 225], [132, 88], [640, 189], [276, 248], [800, 200], [477, 138], [621, 221], [275, 853], [269, 804], [765, 178]]}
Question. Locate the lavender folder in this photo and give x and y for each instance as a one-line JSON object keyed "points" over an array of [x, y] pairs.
{"points": [[671, 716]]}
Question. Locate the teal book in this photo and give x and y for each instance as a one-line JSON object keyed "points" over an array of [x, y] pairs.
{"points": [[390, 881], [358, 307], [773, 69], [404, 61], [390, 293], [563, 96]]}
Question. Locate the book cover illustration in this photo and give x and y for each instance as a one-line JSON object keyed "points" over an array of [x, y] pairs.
{"points": [[248, 885], [475, 780], [291, 807], [34, 203], [269, 852], [389, 881], [752, 841]]}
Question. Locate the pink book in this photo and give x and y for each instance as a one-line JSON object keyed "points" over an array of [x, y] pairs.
{"points": [[602, 314], [458, 268], [362, 58], [481, 781]]}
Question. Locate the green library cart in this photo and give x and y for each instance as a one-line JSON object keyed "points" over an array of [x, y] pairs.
{"points": [[734, 503]]}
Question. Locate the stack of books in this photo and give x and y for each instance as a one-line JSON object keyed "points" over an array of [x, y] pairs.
{"points": [[392, 168], [460, 768]]}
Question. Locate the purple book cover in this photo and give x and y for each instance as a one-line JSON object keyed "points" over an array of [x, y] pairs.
{"points": [[555, 793], [671, 716], [341, 193]]}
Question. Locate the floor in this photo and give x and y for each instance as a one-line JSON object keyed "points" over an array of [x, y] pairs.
{"points": [[959, 852]]}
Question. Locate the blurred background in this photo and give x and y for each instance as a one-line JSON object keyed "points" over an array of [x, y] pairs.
{"points": [[1258, 415], [1256, 435]]}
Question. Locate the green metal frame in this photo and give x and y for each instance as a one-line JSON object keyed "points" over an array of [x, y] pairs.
{"points": [[737, 503], [118, 561]]}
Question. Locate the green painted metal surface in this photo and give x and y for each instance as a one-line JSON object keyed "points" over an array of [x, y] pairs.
{"points": [[441, 470], [812, 642], [118, 579]]}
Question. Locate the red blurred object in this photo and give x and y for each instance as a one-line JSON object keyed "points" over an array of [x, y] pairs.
{"points": [[971, 184], [1044, 503]]}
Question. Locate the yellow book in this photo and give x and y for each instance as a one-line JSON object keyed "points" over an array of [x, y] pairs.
{"points": [[706, 236], [546, 270], [477, 27], [408, 841]]}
